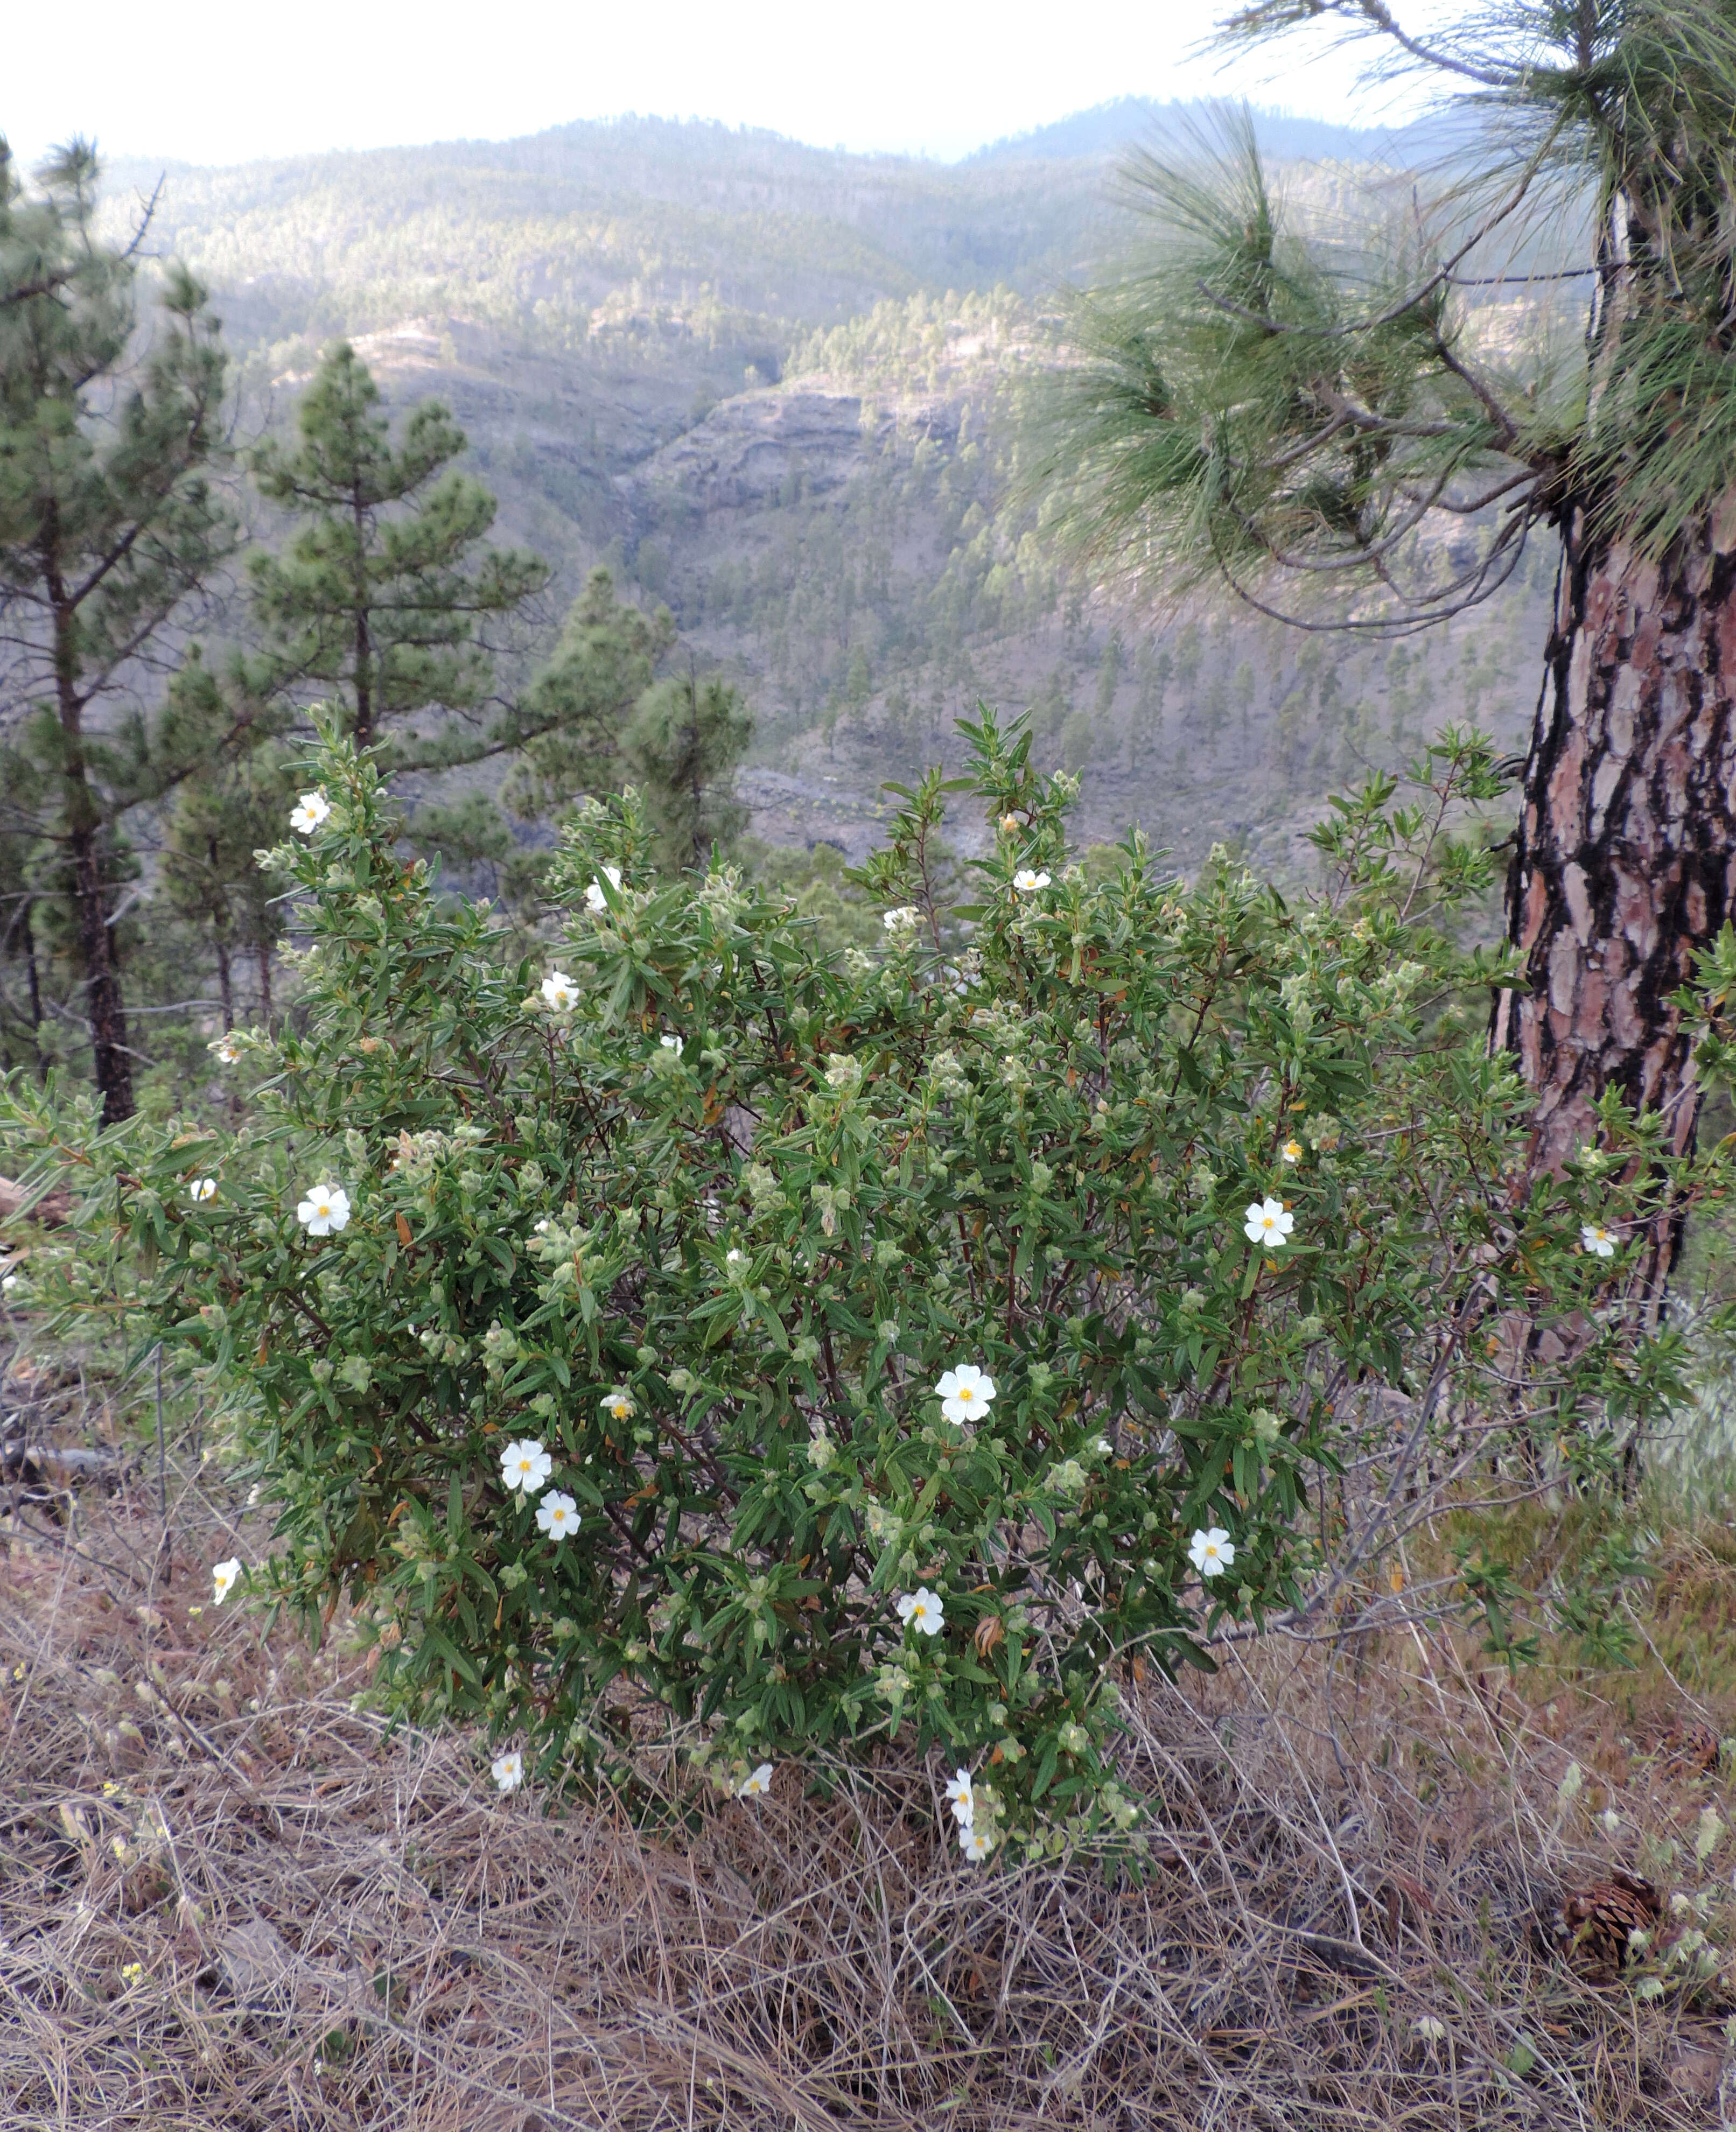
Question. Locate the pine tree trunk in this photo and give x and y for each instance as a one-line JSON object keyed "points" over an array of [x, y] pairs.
{"points": [[225, 990], [263, 956], [27, 934], [1626, 856], [112, 1059], [220, 938]]}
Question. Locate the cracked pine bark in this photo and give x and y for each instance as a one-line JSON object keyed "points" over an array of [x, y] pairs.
{"points": [[1625, 861]]}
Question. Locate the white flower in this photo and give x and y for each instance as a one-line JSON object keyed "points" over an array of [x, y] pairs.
{"points": [[1429, 2028], [223, 1579], [976, 1843], [671, 1044], [593, 895], [526, 1465], [1291, 1150], [508, 1772], [557, 1515], [961, 1796], [965, 1392], [1268, 1223], [901, 919], [557, 989], [1211, 1552], [1028, 883], [227, 1048], [11, 1283], [756, 1784], [1597, 1239], [542, 1227], [1009, 823], [308, 812], [326, 1208], [922, 1610], [201, 1189], [619, 1405]]}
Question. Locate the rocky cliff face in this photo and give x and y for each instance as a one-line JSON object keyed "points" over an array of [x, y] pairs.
{"points": [[754, 448], [808, 437]]}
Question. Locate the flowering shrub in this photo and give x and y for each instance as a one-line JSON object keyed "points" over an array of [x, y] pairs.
{"points": [[830, 1350]]}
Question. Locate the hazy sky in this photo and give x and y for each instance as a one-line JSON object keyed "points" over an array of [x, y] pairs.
{"points": [[202, 81]]}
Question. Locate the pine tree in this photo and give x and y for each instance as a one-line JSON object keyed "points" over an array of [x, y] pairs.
{"points": [[209, 876], [109, 525], [1262, 408], [571, 721], [383, 597], [599, 717], [682, 749]]}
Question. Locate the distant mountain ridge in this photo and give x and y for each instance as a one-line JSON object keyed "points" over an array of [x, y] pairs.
{"points": [[1109, 130]]}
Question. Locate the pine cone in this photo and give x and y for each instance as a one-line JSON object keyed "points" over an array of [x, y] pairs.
{"points": [[1594, 1926], [1686, 1747]]}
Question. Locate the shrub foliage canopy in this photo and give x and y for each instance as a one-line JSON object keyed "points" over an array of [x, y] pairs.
{"points": [[686, 1223]]}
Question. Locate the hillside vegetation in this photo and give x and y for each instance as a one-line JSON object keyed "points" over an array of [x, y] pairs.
{"points": [[779, 388]]}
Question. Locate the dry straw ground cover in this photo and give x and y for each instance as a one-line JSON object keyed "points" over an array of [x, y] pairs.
{"points": [[230, 1900]]}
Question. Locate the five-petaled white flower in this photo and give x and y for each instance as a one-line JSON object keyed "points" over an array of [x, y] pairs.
{"points": [[961, 1796], [526, 1465], [965, 1392], [921, 1609], [201, 1189], [594, 896], [1211, 1552], [1291, 1150], [508, 1772], [558, 990], [976, 1843], [1268, 1222], [756, 1784], [902, 918], [324, 1209], [618, 1405], [557, 1515], [1598, 1240], [226, 1050], [671, 1044], [223, 1579], [308, 812], [1028, 883]]}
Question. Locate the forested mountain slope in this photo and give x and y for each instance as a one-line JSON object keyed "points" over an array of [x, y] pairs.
{"points": [[780, 388]]}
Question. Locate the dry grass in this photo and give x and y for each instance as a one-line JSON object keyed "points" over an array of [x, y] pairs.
{"points": [[334, 1927]]}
